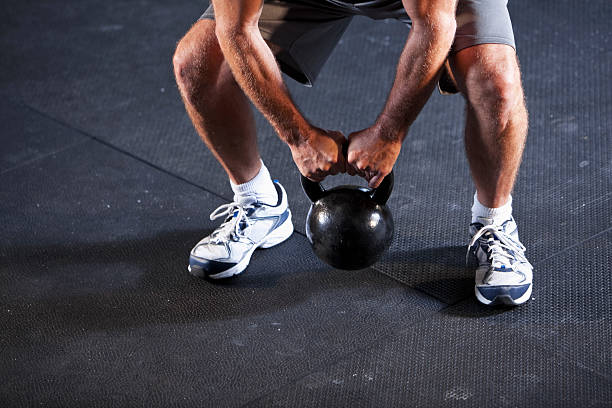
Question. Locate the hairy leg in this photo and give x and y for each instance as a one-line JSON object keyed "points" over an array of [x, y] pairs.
{"points": [[220, 111], [488, 76]]}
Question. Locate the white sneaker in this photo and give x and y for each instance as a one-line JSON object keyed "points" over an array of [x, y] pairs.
{"points": [[227, 251], [503, 274]]}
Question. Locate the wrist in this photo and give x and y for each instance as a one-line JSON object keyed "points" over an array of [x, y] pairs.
{"points": [[296, 133], [391, 129]]}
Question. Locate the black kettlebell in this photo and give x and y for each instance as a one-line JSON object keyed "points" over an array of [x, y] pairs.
{"points": [[349, 227]]}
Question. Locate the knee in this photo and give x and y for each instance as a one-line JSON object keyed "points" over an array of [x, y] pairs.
{"points": [[191, 70], [495, 89], [196, 67], [183, 63]]}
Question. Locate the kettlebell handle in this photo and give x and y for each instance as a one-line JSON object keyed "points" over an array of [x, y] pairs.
{"points": [[380, 194]]}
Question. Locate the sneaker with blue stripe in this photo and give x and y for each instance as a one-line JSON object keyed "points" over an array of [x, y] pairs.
{"points": [[227, 251], [503, 273]]}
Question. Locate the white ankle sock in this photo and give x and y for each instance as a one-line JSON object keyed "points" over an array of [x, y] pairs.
{"points": [[486, 215], [259, 188]]}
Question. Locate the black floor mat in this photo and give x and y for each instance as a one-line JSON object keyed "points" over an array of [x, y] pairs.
{"points": [[105, 187]]}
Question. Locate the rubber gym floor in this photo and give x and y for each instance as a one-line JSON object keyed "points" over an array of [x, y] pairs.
{"points": [[105, 187]]}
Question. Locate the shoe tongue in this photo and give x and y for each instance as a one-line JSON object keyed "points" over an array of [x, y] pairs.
{"points": [[486, 221], [245, 200]]}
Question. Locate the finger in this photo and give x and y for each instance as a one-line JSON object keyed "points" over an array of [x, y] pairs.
{"points": [[351, 155], [323, 173], [361, 173], [349, 168], [375, 180], [351, 158], [317, 176], [363, 166]]}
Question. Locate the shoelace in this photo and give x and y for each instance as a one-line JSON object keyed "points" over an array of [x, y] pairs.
{"points": [[231, 228], [498, 242]]}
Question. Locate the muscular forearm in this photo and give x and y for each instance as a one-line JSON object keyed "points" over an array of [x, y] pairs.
{"points": [[419, 64], [254, 68]]}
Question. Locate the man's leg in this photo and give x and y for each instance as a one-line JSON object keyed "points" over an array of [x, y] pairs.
{"points": [[496, 122], [488, 76], [219, 110], [222, 116]]}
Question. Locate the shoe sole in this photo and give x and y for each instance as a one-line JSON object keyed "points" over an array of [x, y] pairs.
{"points": [[277, 236], [503, 298]]}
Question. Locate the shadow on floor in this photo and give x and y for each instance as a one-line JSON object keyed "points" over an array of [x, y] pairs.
{"points": [[439, 272], [136, 282]]}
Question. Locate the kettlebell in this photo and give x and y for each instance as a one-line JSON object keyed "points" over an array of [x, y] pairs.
{"points": [[349, 227]]}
